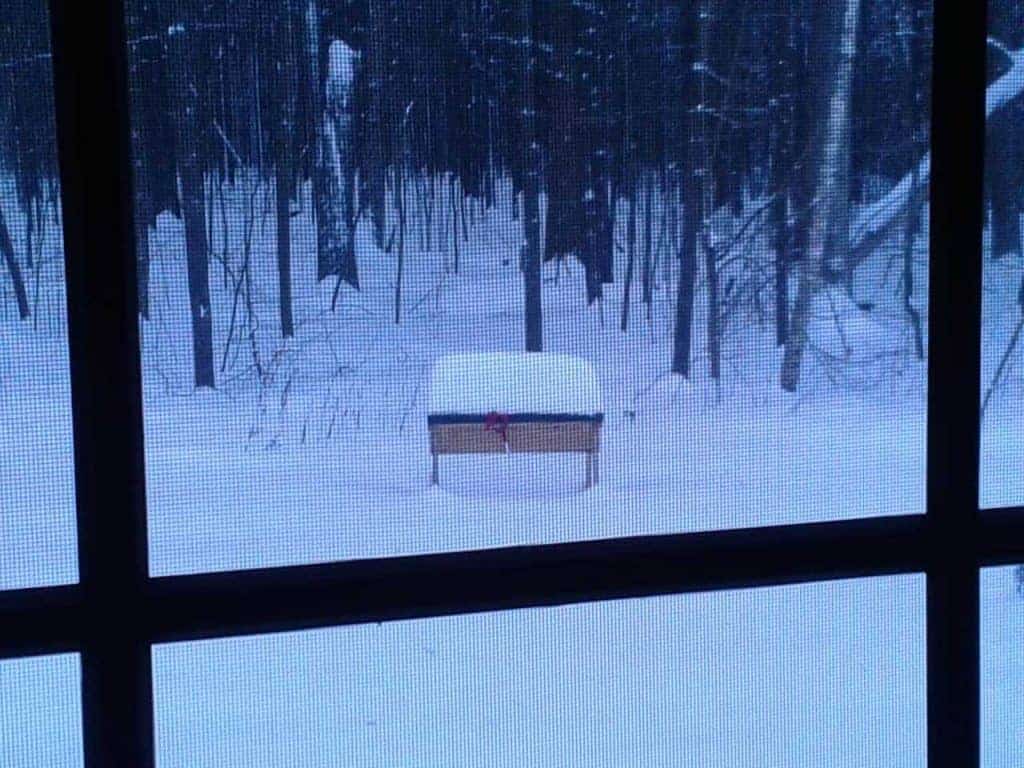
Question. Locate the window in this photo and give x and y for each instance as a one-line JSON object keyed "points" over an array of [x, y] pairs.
{"points": [[1002, 421], [37, 488], [1002, 665], [816, 674], [40, 712], [147, 630], [323, 217]]}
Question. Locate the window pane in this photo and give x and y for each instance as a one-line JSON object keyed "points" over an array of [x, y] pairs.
{"points": [[1002, 383], [1002, 666], [825, 674], [37, 495], [41, 713], [708, 218]]}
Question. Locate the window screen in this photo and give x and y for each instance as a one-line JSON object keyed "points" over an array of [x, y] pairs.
{"points": [[428, 276], [1002, 384], [37, 500], [823, 674], [40, 713], [1002, 665]]}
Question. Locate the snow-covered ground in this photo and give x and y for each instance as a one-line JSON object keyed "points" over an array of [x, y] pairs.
{"points": [[327, 460], [37, 482]]}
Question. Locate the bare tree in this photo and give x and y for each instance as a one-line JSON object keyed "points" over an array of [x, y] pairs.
{"points": [[530, 149], [181, 52], [13, 269], [829, 241]]}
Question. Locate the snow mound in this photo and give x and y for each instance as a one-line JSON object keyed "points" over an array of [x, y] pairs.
{"points": [[843, 331], [341, 67], [507, 382]]}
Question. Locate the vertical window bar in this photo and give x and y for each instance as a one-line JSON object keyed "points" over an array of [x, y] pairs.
{"points": [[91, 96], [958, 133]]}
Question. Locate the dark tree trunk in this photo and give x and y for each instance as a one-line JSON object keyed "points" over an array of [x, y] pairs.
{"points": [[691, 199], [375, 162], [1006, 230], [142, 251], [648, 273], [630, 259], [283, 187], [782, 157], [400, 208], [706, 162], [181, 51], [530, 148], [913, 314], [781, 227], [286, 82], [13, 269], [681, 348]]}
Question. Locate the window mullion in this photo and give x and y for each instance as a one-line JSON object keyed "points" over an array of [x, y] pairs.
{"points": [[958, 129], [91, 99]]}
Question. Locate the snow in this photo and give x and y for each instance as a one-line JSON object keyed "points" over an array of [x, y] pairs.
{"points": [[875, 217], [327, 459], [1002, 668], [509, 382], [341, 67], [38, 543], [41, 712]]}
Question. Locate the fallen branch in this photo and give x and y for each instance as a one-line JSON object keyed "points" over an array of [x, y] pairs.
{"points": [[872, 224]]}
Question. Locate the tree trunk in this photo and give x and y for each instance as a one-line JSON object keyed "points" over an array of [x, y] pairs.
{"points": [[779, 215], [829, 236], [707, 148], [681, 348], [7, 247], [142, 264], [691, 193], [284, 167], [648, 272], [913, 315], [630, 258], [1004, 183], [530, 149], [400, 207], [190, 173], [375, 163], [781, 93], [332, 169]]}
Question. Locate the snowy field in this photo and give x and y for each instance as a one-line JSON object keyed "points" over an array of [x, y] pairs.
{"points": [[326, 458]]}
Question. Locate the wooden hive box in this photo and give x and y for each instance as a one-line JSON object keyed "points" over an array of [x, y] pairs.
{"points": [[515, 403]]}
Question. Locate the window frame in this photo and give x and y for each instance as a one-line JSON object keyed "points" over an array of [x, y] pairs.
{"points": [[116, 612]]}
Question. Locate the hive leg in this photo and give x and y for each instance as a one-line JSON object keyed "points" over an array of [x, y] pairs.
{"points": [[434, 472], [590, 469], [597, 472]]}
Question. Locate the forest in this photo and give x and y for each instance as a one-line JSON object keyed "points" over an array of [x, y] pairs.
{"points": [[721, 204], [788, 117]]}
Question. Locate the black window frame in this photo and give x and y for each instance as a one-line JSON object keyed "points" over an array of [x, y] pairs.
{"points": [[116, 612]]}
